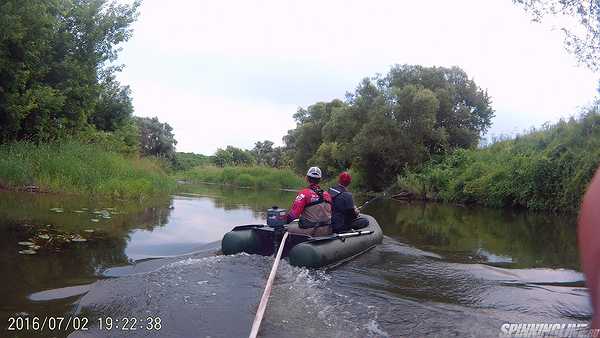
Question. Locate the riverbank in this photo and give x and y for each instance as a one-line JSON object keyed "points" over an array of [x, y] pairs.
{"points": [[547, 169], [257, 177], [72, 167]]}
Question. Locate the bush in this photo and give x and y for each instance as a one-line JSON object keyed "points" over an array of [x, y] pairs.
{"points": [[547, 169]]}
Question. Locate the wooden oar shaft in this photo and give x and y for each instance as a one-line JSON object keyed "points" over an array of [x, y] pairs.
{"points": [[265, 296]]}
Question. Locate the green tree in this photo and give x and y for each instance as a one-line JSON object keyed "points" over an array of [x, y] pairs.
{"points": [[113, 108], [331, 158], [391, 123], [232, 156], [186, 161], [55, 66], [304, 141], [266, 154], [156, 138], [263, 152]]}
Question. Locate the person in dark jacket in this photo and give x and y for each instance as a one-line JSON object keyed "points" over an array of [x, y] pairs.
{"points": [[344, 211]]}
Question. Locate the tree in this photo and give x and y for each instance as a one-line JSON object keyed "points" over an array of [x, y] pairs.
{"points": [[581, 38], [331, 158], [232, 156], [156, 138], [304, 141], [266, 154], [186, 161], [55, 66], [114, 106], [391, 123], [263, 152]]}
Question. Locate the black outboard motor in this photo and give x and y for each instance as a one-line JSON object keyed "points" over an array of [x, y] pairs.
{"points": [[275, 217], [276, 220]]}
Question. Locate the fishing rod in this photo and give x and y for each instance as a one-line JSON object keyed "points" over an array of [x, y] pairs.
{"points": [[385, 192]]}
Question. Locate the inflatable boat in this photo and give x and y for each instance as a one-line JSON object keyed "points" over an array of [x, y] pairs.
{"points": [[302, 250]]}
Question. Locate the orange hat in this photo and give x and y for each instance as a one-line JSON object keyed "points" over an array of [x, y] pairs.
{"points": [[345, 179]]}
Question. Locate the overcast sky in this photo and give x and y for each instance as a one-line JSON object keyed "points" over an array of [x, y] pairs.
{"points": [[233, 72]]}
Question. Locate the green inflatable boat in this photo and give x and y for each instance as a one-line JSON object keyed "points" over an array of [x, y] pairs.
{"points": [[302, 250]]}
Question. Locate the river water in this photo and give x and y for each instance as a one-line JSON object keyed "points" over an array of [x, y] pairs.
{"points": [[440, 271]]}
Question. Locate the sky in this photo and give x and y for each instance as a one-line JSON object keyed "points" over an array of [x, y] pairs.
{"points": [[234, 72]]}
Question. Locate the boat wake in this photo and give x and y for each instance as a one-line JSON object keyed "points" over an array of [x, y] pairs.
{"points": [[217, 296]]}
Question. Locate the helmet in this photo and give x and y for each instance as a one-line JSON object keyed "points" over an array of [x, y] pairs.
{"points": [[345, 179], [314, 172]]}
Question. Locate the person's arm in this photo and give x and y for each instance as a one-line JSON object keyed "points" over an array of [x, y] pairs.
{"points": [[297, 207], [353, 206], [589, 243]]}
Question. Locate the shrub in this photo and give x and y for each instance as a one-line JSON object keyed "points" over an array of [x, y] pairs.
{"points": [[546, 169]]}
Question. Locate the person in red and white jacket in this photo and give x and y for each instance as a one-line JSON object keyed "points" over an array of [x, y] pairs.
{"points": [[312, 207]]}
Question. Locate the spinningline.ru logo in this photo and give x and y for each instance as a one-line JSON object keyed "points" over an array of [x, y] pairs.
{"points": [[547, 330]]}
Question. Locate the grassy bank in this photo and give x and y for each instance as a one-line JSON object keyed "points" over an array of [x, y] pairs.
{"points": [[546, 169], [73, 167], [252, 176]]}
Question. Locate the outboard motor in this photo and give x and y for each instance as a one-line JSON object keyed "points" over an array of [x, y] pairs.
{"points": [[275, 217], [276, 220]]}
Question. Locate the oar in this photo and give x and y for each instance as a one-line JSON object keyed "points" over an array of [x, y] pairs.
{"points": [[265, 296]]}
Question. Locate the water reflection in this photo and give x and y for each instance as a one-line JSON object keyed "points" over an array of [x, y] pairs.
{"points": [[77, 263], [496, 237]]}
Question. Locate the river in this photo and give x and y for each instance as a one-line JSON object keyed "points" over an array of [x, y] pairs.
{"points": [[441, 270]]}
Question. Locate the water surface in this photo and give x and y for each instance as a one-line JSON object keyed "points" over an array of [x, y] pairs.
{"points": [[441, 270]]}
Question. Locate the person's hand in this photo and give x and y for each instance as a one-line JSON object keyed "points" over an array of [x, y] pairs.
{"points": [[356, 210]]}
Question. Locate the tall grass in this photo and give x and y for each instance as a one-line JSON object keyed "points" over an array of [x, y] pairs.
{"points": [[80, 168], [254, 177], [546, 169]]}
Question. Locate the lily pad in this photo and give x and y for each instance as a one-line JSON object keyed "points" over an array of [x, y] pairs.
{"points": [[26, 243], [79, 211], [95, 220], [89, 230], [78, 239], [35, 247], [44, 236], [58, 210], [28, 252], [86, 209]]}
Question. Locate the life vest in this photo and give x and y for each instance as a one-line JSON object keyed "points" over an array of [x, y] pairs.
{"points": [[316, 213]]}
